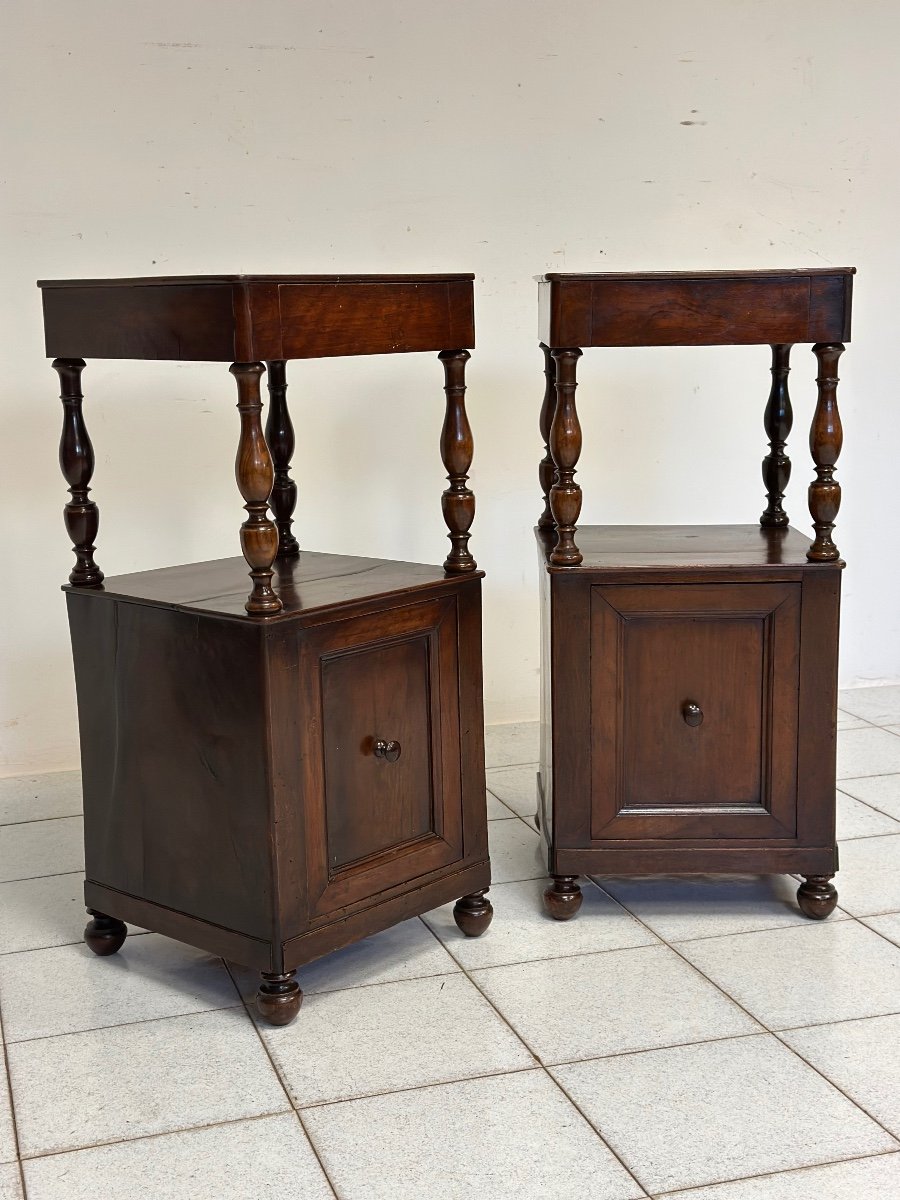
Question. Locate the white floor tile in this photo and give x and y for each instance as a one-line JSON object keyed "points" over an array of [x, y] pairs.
{"points": [[244, 1160], [497, 811], [511, 1137], [878, 791], [861, 1179], [133, 1080], [39, 797], [867, 752], [679, 907], [394, 1035], [517, 852], [691, 1115], [888, 926], [41, 848], [10, 1182], [869, 878], [879, 705], [7, 1135], [506, 745], [793, 977], [598, 1004], [516, 787], [42, 912], [151, 977], [521, 932], [846, 720], [857, 820]]}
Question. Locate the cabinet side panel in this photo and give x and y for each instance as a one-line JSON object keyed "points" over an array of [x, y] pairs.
{"points": [[471, 722], [817, 753]]}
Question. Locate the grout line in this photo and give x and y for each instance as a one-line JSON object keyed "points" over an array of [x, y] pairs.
{"points": [[41, 820], [133, 932], [723, 1037], [862, 921], [50, 875], [419, 1087], [44, 1037], [12, 1108], [832, 1162]]}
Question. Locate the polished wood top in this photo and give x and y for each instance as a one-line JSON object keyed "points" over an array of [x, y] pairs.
{"points": [[250, 318]]}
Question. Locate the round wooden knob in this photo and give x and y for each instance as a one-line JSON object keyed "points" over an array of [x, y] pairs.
{"points": [[692, 713], [389, 751]]}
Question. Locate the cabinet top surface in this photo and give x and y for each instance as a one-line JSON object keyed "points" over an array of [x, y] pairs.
{"points": [[179, 280], [637, 276]]}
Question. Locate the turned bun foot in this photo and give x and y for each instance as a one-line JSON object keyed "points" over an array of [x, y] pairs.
{"points": [[817, 896], [562, 899], [104, 935], [473, 913], [279, 998]]}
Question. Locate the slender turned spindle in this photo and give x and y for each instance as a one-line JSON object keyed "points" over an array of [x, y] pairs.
{"points": [[255, 475], [280, 439], [565, 447], [76, 458], [457, 502], [825, 440], [547, 470], [779, 417]]}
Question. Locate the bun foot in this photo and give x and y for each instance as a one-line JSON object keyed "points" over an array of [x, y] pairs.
{"points": [[104, 935], [817, 897], [473, 913], [562, 899], [279, 998]]}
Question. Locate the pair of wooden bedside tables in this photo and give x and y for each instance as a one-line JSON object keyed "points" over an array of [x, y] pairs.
{"points": [[276, 769]]}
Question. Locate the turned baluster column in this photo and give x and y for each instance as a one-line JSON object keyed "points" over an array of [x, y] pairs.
{"points": [[565, 447], [825, 440], [547, 470], [76, 458], [280, 439], [778, 419], [457, 502], [255, 475]]}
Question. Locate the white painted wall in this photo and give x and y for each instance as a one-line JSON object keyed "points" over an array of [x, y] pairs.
{"points": [[506, 137]]}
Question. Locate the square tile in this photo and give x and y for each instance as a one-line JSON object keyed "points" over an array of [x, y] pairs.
{"points": [[130, 1081], [39, 797], [11, 1183], [690, 1115], [878, 791], [516, 787], [7, 1133], [42, 912], [862, 1058], [393, 1035], [858, 820], [511, 1137], [517, 852], [792, 977], [41, 848], [860, 1179], [867, 752], [506, 745], [405, 951], [243, 1160], [888, 926], [151, 977], [869, 878], [680, 907], [521, 932], [598, 1004], [878, 705]]}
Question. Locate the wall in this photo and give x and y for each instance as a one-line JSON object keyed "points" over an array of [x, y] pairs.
{"points": [[499, 136]]}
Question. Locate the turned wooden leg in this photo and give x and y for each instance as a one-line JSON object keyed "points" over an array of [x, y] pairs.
{"points": [[280, 440], [104, 935], [817, 896], [565, 447], [279, 997], [255, 476], [457, 502], [547, 468], [76, 458], [778, 419], [562, 899], [825, 440], [473, 913]]}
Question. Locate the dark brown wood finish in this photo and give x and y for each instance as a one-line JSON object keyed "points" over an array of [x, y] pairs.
{"points": [[690, 673], [565, 448], [273, 778], [547, 468]]}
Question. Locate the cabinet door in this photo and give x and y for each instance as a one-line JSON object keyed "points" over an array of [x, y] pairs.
{"points": [[694, 708], [381, 752]]}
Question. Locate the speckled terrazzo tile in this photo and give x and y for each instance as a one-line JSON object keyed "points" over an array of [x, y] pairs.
{"points": [[861, 1179], [39, 797], [507, 745]]}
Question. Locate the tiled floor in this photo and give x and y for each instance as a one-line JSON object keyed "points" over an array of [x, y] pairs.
{"points": [[690, 1038]]}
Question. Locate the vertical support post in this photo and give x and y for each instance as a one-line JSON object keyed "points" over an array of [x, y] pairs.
{"points": [[255, 475], [546, 469], [565, 447], [778, 420], [825, 440], [457, 447], [76, 458], [280, 439]]}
